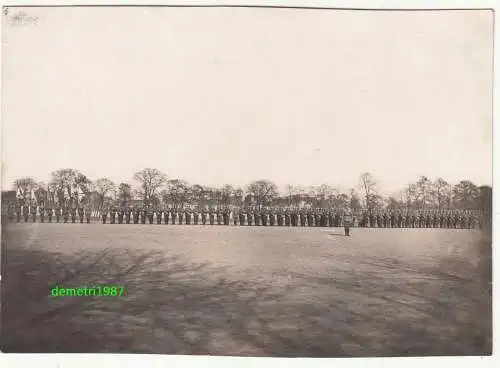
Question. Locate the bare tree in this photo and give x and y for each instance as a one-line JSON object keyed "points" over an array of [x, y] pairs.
{"points": [[440, 191], [25, 188], [41, 194], [178, 193], [423, 186], [368, 186], [103, 188], [68, 183], [263, 192], [410, 196], [124, 194], [465, 194], [151, 180]]}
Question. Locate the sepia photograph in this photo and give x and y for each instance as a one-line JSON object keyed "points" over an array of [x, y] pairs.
{"points": [[246, 181]]}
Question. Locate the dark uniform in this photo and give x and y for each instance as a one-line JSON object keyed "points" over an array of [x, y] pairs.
{"points": [[303, 219], [104, 215], [88, 214], [241, 216], [26, 213], [196, 217], [256, 218], [272, 218], [128, 213], [33, 213], [204, 217], [211, 216], [263, 218], [113, 215], [225, 217], [80, 214], [287, 218], [49, 213], [150, 216], [65, 215], [136, 215], [174, 216]]}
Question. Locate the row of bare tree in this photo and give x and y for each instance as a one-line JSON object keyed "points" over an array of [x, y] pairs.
{"points": [[71, 188]]}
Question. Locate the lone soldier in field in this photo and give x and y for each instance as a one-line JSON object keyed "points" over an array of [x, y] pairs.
{"points": [[80, 214], [348, 221]]}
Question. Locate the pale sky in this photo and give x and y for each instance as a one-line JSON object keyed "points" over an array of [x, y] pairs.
{"points": [[229, 95]]}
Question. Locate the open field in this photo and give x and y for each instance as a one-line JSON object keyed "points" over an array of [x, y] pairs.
{"points": [[251, 291]]}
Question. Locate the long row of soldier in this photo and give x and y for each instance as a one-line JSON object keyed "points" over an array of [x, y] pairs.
{"points": [[264, 218]]}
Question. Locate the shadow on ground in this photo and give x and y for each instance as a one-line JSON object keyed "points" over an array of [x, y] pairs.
{"points": [[176, 307]]}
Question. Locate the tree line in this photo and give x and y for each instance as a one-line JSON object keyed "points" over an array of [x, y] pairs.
{"points": [[152, 188]]}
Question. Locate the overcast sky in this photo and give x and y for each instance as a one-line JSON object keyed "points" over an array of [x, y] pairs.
{"points": [[228, 95]]}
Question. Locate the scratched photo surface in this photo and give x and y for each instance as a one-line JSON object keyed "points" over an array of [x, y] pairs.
{"points": [[269, 182]]}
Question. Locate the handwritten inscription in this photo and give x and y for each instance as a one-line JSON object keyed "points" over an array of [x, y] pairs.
{"points": [[19, 17]]}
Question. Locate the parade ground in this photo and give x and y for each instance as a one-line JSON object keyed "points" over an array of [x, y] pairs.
{"points": [[248, 291]]}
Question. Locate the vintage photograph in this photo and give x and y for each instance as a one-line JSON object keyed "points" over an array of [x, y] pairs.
{"points": [[246, 181]]}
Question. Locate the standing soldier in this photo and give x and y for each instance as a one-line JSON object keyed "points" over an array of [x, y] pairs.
{"points": [[242, 215], [18, 212], [136, 215], [211, 216], [256, 218], [128, 212], [33, 211], [263, 218], [348, 221], [181, 217], [58, 213], [49, 212], [143, 215], [104, 215], [195, 216], [372, 219], [65, 214], [159, 213], [150, 215], [121, 215], [303, 218], [225, 217], [113, 215], [187, 214], [204, 216], [384, 219], [42, 212], [80, 214], [272, 217], [73, 215], [88, 214], [287, 217], [173, 212], [309, 218]]}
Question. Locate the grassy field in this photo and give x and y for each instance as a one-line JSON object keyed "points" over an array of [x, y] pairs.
{"points": [[249, 291]]}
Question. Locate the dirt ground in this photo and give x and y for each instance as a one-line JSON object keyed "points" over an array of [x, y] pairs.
{"points": [[248, 291]]}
